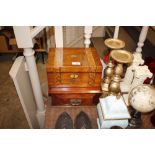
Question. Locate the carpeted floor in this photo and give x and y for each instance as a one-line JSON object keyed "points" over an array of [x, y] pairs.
{"points": [[11, 112]]}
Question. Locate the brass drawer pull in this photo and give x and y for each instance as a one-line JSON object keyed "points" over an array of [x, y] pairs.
{"points": [[74, 76], [75, 102]]}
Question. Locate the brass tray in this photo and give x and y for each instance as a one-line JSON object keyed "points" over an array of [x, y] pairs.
{"points": [[121, 56], [114, 43]]}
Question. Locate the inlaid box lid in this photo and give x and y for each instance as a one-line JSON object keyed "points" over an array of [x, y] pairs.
{"points": [[73, 60]]}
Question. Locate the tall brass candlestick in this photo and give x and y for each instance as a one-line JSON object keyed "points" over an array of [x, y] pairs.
{"points": [[109, 71], [120, 57]]}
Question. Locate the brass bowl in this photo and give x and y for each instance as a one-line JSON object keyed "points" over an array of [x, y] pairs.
{"points": [[114, 43], [121, 56]]}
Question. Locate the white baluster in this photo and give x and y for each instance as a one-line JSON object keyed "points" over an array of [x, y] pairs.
{"points": [[87, 35], [116, 32], [142, 38], [24, 40], [47, 38], [58, 36]]}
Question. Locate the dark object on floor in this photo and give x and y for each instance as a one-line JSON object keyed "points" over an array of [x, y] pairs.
{"points": [[64, 121], [116, 127], [82, 121], [153, 120], [53, 112], [135, 121]]}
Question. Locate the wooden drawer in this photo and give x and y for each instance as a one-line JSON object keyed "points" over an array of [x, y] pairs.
{"points": [[75, 99], [74, 79]]}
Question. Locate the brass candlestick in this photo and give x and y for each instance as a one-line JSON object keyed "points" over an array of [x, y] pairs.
{"points": [[111, 44], [120, 57], [109, 73]]}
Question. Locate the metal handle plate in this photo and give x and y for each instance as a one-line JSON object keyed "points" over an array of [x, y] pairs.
{"points": [[74, 76], [75, 102]]}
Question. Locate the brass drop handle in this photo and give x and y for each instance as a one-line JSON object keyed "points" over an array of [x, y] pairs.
{"points": [[74, 76], [75, 102]]}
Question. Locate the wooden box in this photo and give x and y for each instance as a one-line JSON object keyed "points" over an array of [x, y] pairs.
{"points": [[70, 69]]}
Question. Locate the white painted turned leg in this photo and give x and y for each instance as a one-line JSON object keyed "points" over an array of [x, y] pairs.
{"points": [[142, 38], [24, 40], [58, 36], [87, 35], [116, 32], [47, 38], [34, 78]]}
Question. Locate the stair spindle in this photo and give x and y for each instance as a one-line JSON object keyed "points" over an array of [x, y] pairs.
{"points": [[87, 35], [142, 38], [116, 32], [58, 36]]}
